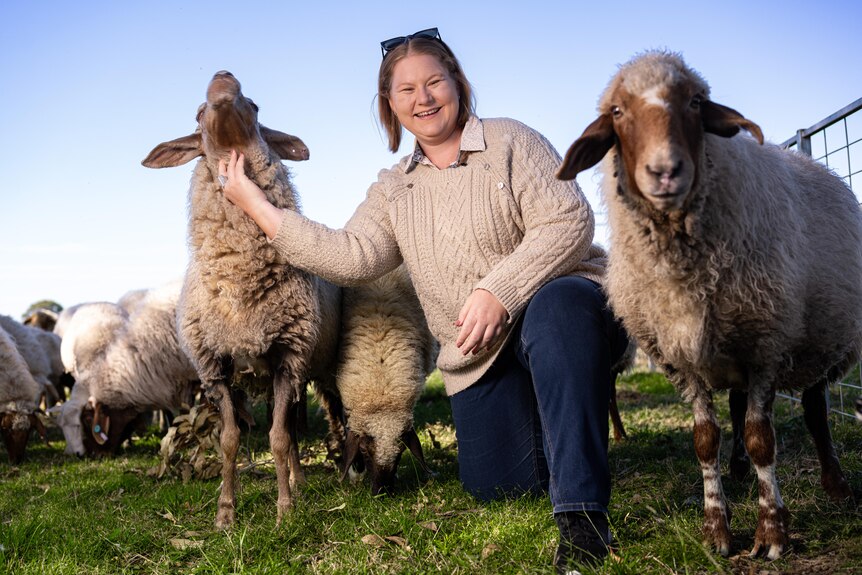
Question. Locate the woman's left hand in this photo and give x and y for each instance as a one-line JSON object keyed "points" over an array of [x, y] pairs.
{"points": [[481, 321]]}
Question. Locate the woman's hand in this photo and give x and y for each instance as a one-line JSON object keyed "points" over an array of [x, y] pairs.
{"points": [[247, 196], [481, 321]]}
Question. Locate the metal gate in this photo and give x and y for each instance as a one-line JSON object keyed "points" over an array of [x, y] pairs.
{"points": [[836, 141]]}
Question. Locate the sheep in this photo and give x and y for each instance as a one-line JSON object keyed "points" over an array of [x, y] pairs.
{"points": [[42, 318], [87, 331], [125, 365], [385, 354], [736, 265], [19, 397], [41, 350], [243, 307]]}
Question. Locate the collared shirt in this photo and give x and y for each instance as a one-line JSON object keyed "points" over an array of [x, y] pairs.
{"points": [[472, 140]]}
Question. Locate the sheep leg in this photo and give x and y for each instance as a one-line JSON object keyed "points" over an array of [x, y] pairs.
{"points": [[283, 442], [330, 400], [229, 442], [616, 420], [740, 464], [707, 441], [773, 519], [816, 419]]}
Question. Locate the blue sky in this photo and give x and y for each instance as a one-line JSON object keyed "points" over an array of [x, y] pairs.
{"points": [[89, 88]]}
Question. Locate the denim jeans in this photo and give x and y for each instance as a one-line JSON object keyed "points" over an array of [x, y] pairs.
{"points": [[537, 420]]}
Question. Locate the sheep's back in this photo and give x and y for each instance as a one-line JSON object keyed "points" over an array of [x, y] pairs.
{"points": [[16, 382]]}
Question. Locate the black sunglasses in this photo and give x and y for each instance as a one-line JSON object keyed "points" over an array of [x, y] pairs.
{"points": [[388, 45]]}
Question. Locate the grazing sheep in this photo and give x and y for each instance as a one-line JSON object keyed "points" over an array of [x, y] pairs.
{"points": [[243, 307], [386, 352], [19, 396], [735, 265], [125, 365], [40, 349], [42, 318], [87, 331]]}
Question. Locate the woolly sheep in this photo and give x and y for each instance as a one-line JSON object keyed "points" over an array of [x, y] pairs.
{"points": [[125, 365], [243, 307], [19, 396], [40, 349], [87, 331], [736, 265], [386, 352]]}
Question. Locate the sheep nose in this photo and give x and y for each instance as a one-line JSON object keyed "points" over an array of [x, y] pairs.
{"points": [[665, 172]]}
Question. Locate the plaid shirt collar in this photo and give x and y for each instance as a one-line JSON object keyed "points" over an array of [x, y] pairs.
{"points": [[472, 140]]}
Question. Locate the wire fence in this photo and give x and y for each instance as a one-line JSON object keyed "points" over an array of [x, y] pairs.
{"points": [[836, 141]]}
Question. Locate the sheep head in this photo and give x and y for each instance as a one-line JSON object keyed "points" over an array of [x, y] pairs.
{"points": [[226, 121], [105, 428], [380, 458], [15, 428], [655, 112]]}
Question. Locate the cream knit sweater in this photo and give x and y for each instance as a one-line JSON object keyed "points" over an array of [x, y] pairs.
{"points": [[499, 221]]}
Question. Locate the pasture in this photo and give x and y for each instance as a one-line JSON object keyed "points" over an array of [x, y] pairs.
{"points": [[61, 515]]}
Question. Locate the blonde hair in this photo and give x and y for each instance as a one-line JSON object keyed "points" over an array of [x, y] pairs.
{"points": [[432, 47]]}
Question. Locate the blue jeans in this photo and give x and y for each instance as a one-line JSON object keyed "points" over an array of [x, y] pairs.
{"points": [[537, 420]]}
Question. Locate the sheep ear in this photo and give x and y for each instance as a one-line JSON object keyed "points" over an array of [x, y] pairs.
{"points": [[175, 152], [726, 122], [589, 149], [411, 440], [351, 451], [286, 146], [101, 425]]}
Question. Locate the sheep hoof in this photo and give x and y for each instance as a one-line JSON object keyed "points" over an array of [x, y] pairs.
{"points": [[224, 519], [283, 508], [836, 487], [774, 550]]}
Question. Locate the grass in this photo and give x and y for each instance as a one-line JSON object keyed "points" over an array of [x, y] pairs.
{"points": [[60, 515]]}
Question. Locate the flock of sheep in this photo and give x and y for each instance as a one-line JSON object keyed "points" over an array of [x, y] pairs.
{"points": [[735, 266]]}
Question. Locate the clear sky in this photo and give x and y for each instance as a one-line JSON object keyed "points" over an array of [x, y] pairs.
{"points": [[88, 88]]}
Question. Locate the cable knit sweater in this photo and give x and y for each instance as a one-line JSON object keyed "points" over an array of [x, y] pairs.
{"points": [[498, 220]]}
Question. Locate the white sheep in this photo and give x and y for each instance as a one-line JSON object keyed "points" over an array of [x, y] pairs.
{"points": [[87, 331], [735, 265], [243, 307], [41, 350], [19, 397], [124, 365], [385, 354]]}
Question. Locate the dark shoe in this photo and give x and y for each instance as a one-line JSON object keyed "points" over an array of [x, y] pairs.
{"points": [[584, 539]]}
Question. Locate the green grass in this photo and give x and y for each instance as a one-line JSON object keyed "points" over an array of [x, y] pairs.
{"points": [[62, 515]]}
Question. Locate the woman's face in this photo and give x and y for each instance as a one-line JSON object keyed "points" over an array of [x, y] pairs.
{"points": [[425, 99]]}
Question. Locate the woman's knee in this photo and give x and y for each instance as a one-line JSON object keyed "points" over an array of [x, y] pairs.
{"points": [[569, 302]]}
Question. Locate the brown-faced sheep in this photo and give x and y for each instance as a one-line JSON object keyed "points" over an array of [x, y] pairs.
{"points": [[735, 265], [386, 352], [19, 397], [42, 318], [244, 308]]}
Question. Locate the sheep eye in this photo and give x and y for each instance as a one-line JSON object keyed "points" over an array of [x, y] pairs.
{"points": [[696, 101], [616, 112]]}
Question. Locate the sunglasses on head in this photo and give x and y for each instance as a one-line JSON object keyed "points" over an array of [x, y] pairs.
{"points": [[388, 45]]}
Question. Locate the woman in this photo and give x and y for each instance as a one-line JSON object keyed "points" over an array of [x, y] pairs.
{"points": [[501, 255]]}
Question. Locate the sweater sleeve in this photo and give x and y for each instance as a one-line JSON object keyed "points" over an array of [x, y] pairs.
{"points": [[363, 250], [558, 225]]}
